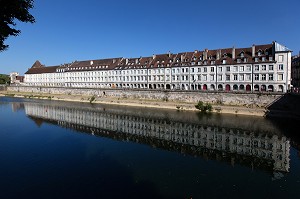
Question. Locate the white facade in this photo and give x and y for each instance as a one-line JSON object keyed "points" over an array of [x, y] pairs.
{"points": [[262, 68]]}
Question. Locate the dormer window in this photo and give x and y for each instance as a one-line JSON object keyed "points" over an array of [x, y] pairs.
{"points": [[194, 58], [256, 59], [245, 60], [266, 52], [200, 58], [157, 61], [270, 58], [177, 60], [224, 61], [170, 60], [242, 54], [263, 58], [259, 53], [238, 60], [224, 55], [209, 57], [212, 62]]}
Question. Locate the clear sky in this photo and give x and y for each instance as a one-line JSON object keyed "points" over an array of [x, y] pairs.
{"points": [[69, 30]]}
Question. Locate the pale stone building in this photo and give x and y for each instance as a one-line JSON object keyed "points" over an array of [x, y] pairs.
{"points": [[259, 68]]}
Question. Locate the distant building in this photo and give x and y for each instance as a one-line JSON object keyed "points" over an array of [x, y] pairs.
{"points": [[15, 78], [258, 68], [296, 71]]}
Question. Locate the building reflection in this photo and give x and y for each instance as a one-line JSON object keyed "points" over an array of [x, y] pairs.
{"points": [[261, 149]]}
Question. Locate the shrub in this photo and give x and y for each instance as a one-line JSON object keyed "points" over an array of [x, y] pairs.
{"points": [[207, 107], [92, 99]]}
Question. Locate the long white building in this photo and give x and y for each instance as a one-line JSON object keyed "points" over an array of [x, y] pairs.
{"points": [[259, 68]]}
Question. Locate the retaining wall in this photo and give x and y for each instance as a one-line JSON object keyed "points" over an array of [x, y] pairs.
{"points": [[225, 98]]}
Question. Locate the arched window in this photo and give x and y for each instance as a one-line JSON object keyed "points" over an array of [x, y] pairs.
{"points": [[242, 87], [205, 87], [212, 87], [270, 88], [263, 88], [220, 87], [235, 87], [256, 87]]}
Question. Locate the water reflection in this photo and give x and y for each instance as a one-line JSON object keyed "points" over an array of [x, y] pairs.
{"points": [[230, 139]]}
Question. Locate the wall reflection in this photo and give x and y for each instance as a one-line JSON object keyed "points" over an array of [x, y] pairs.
{"points": [[232, 141]]}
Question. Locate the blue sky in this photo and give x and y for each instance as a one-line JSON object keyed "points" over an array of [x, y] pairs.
{"points": [[69, 30]]}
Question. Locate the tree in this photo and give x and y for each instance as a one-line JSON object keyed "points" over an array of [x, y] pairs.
{"points": [[10, 11], [4, 79]]}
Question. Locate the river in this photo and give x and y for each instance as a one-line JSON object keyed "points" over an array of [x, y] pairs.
{"points": [[54, 149]]}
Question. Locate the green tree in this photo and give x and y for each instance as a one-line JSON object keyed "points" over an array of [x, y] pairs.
{"points": [[10, 11], [4, 79]]}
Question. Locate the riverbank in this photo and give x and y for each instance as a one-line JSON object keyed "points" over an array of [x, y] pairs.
{"points": [[150, 103]]}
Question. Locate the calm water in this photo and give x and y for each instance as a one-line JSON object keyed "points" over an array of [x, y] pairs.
{"points": [[73, 150]]}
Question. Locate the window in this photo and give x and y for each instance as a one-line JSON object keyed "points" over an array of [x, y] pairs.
{"points": [[241, 68], [219, 77], [228, 68], [205, 69], [241, 77], [238, 60], [242, 54], [280, 67], [256, 67], [263, 67], [235, 68], [235, 77], [199, 70], [248, 68], [263, 77], [263, 58], [259, 53], [271, 67], [270, 58], [204, 77], [256, 77], [192, 70], [224, 61], [280, 77], [212, 69], [227, 77], [212, 77], [248, 77], [220, 69], [256, 59], [280, 58], [271, 77]]}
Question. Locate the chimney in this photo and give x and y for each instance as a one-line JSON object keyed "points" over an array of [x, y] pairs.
{"points": [[253, 50], [126, 61], [218, 54], [182, 57], [153, 56], [169, 54], [233, 52], [196, 51], [205, 52], [114, 61], [91, 62], [136, 61]]}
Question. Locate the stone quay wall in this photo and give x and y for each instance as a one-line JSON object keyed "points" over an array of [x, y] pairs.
{"points": [[255, 100]]}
